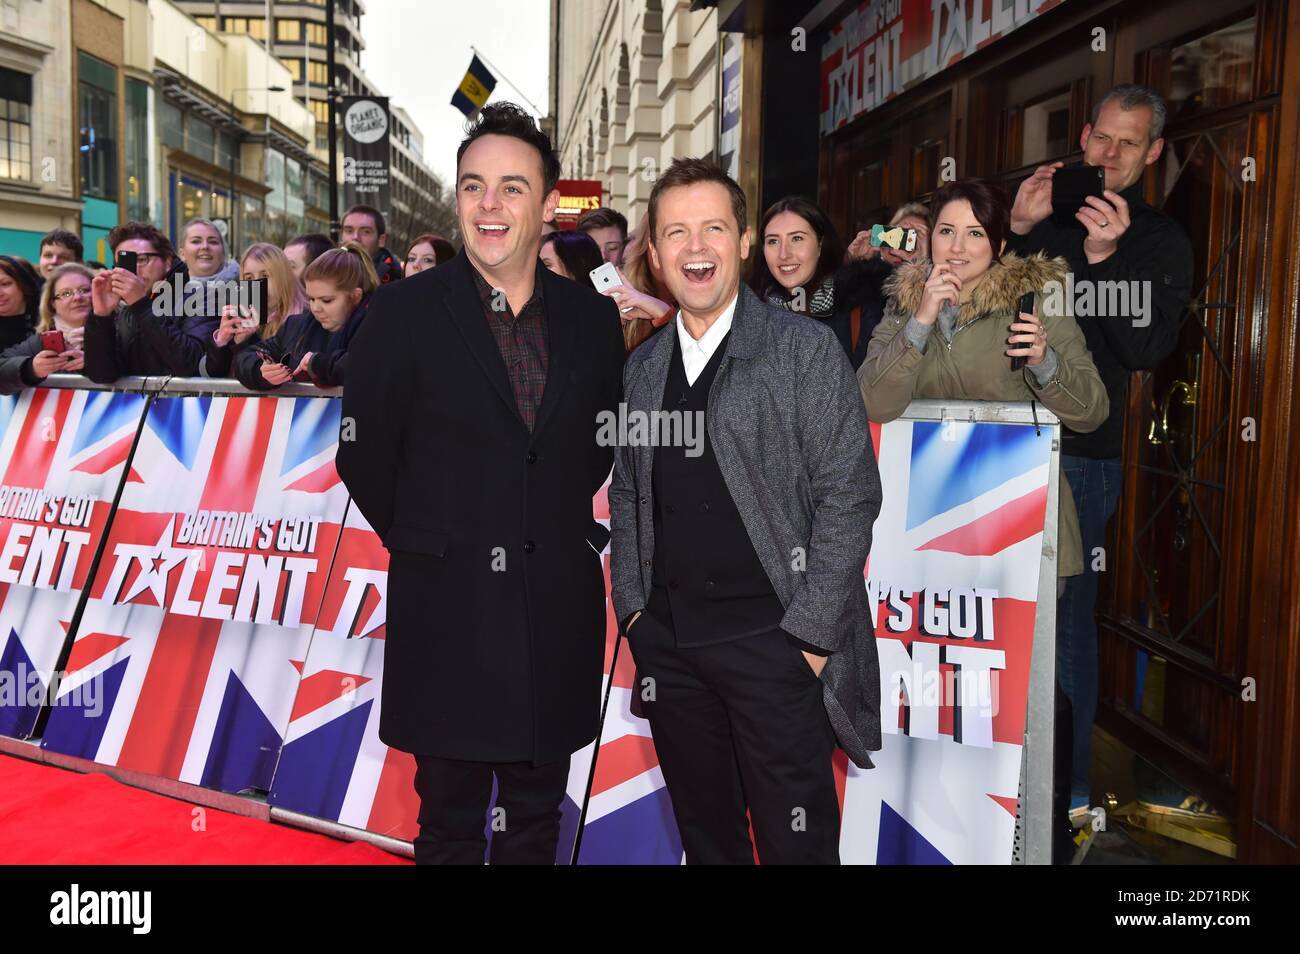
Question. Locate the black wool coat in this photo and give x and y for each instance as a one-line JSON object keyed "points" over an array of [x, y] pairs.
{"points": [[496, 610]]}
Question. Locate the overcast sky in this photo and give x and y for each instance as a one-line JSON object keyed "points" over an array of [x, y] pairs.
{"points": [[417, 52]]}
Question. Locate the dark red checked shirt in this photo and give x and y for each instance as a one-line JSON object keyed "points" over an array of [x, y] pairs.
{"points": [[521, 339]]}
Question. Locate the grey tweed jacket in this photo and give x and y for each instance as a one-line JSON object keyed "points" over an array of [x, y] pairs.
{"points": [[790, 434]]}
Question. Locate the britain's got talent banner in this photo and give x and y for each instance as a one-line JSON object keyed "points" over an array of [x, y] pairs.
{"points": [[62, 457], [201, 610], [953, 580], [236, 618]]}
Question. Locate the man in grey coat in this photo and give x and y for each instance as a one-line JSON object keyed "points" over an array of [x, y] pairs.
{"points": [[744, 492]]}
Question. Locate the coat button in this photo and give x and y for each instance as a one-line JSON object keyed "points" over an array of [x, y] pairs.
{"points": [[671, 509], [647, 562], [710, 586], [532, 457], [672, 584], [529, 546], [643, 500], [704, 507]]}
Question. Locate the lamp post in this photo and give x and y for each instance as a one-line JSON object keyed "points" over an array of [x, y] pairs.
{"points": [[235, 150]]}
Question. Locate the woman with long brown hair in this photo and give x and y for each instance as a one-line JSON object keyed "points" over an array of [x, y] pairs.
{"points": [[284, 297], [313, 347]]}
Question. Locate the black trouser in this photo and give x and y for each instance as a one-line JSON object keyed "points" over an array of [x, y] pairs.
{"points": [[741, 725], [454, 797]]}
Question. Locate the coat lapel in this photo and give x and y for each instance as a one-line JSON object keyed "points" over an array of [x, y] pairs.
{"points": [[466, 309]]}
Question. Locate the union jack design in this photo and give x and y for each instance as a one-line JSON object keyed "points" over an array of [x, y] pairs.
{"points": [[73, 447], [202, 607]]}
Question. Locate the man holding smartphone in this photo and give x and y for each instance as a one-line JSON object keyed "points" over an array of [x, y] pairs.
{"points": [[1115, 238], [469, 442]]}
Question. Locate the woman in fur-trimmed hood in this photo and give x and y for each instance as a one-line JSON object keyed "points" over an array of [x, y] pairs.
{"points": [[952, 326]]}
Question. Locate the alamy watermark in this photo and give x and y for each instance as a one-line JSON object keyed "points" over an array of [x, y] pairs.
{"points": [[626, 428], [27, 688], [1087, 298]]}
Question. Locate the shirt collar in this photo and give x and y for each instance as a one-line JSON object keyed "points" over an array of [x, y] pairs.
{"points": [[708, 342]]}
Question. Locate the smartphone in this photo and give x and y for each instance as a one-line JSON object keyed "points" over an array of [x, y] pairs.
{"points": [[1071, 187], [256, 298], [1027, 306], [895, 237], [53, 341], [127, 260], [605, 277]]}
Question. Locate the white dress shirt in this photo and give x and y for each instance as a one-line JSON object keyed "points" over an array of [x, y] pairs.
{"points": [[696, 354]]}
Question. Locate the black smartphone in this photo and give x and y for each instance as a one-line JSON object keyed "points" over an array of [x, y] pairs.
{"points": [[1071, 187], [127, 260], [1026, 305]]}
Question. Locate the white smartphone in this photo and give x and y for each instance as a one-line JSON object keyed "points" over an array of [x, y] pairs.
{"points": [[605, 277]]}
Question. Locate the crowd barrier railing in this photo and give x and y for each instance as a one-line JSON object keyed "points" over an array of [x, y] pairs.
{"points": [[187, 597]]}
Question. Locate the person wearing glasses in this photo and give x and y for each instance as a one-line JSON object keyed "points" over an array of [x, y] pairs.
{"points": [[65, 306], [126, 333]]}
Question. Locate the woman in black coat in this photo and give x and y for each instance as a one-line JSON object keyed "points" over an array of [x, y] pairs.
{"points": [[801, 268], [313, 345]]}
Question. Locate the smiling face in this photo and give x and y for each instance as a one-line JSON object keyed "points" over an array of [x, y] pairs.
{"points": [[611, 242], [420, 257], [331, 305], [961, 243], [699, 247], [1120, 143], [791, 249], [203, 251], [52, 256], [501, 201], [71, 297], [922, 250], [360, 227]]}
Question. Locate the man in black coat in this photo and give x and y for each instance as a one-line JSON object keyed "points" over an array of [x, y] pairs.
{"points": [[1118, 241], [469, 441]]}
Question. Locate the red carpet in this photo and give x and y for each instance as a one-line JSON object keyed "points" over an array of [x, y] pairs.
{"points": [[53, 816]]}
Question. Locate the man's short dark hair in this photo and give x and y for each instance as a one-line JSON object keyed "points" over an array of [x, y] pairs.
{"points": [[316, 244], [68, 240], [603, 219], [507, 119], [688, 172], [142, 230], [376, 217]]}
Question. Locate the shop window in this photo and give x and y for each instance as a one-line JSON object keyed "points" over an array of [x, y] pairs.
{"points": [[172, 120], [199, 138], [97, 115], [1045, 128], [15, 125], [1205, 73], [137, 148]]}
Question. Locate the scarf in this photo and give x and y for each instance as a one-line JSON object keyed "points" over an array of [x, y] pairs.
{"points": [[820, 304], [73, 335]]}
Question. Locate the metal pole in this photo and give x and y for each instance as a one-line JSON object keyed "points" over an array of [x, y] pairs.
{"points": [[333, 130], [234, 149]]}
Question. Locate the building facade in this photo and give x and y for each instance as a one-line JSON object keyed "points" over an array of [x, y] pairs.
{"points": [[296, 32], [40, 185], [634, 84]]}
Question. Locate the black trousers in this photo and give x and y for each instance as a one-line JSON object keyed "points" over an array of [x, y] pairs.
{"points": [[454, 797], [741, 726]]}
